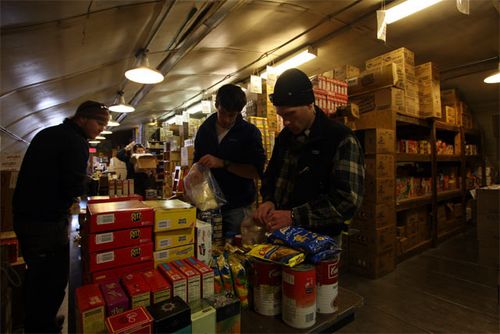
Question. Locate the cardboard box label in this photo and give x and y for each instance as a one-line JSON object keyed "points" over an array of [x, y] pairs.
{"points": [[105, 219]]}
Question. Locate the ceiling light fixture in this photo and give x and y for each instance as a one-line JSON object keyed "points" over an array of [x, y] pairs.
{"points": [[120, 105], [106, 132], [94, 142], [143, 73], [494, 78], [406, 8], [100, 138], [113, 123], [295, 61]]}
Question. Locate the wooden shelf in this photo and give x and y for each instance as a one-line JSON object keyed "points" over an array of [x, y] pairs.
{"points": [[404, 119], [448, 157], [413, 203], [447, 127], [449, 194], [418, 248], [409, 157]]}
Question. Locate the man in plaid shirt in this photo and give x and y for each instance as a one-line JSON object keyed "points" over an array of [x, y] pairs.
{"points": [[315, 178]]}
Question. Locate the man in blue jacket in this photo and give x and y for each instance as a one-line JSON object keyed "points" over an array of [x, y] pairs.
{"points": [[232, 149], [52, 175]]}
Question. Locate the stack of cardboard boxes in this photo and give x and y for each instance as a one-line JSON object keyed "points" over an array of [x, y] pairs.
{"points": [[372, 249]]}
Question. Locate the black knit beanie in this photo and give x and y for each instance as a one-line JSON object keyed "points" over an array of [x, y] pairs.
{"points": [[293, 88], [94, 110]]}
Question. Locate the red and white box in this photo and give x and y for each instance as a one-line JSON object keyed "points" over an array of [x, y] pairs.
{"points": [[117, 239], [193, 279], [111, 216], [137, 320], [137, 289], [207, 276], [160, 289], [119, 257], [114, 274], [176, 279], [90, 309]]}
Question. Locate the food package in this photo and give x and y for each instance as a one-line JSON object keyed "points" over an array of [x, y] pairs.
{"points": [[202, 189]]}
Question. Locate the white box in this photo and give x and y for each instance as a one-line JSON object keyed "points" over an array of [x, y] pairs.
{"points": [[203, 241]]}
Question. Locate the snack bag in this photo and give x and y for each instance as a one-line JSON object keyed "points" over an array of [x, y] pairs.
{"points": [[277, 254], [304, 240], [240, 278], [202, 189]]}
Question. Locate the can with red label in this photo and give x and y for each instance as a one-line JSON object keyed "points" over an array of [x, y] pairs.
{"points": [[299, 296], [327, 277], [266, 281]]}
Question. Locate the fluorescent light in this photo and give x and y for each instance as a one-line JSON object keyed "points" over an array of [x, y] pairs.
{"points": [[113, 123], [121, 106], [407, 8], [106, 132], [100, 138], [195, 108], [143, 73], [295, 61]]}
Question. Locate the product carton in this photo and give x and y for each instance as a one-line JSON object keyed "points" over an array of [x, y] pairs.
{"points": [[172, 214], [380, 166], [103, 217], [176, 279], [93, 243], [172, 254], [228, 314], [345, 72], [134, 321], [384, 119], [114, 274], [171, 316], [379, 141], [203, 241], [90, 309], [377, 215], [398, 56], [115, 198], [390, 98], [207, 276], [379, 190], [115, 298], [137, 289], [378, 77], [119, 257], [158, 285], [364, 262], [174, 238], [203, 317], [193, 279], [143, 162], [377, 240]]}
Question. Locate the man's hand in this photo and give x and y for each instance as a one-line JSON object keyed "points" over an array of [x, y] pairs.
{"points": [[278, 219], [130, 146], [210, 161], [263, 212]]}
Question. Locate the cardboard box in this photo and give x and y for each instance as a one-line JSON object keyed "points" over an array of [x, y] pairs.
{"points": [[119, 257], [398, 56], [379, 190], [103, 217], [377, 240], [488, 215], [203, 244], [364, 262], [90, 309], [379, 141], [115, 198], [193, 279], [379, 166], [384, 119], [143, 162], [378, 215], [206, 274], [450, 96], [172, 214], [137, 289], [228, 314], [375, 78], [158, 285], [390, 98], [345, 72], [115, 298], [98, 242], [427, 72], [171, 316], [187, 155], [177, 280], [203, 317], [114, 274], [175, 238], [137, 320], [172, 254]]}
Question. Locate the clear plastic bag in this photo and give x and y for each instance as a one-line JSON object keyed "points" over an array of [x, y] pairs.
{"points": [[201, 188], [252, 233]]}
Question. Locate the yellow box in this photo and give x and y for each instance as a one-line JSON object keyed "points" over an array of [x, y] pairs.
{"points": [[172, 254], [172, 215], [175, 238]]}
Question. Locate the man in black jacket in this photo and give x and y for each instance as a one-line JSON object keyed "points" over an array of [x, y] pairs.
{"points": [[232, 149], [52, 175]]}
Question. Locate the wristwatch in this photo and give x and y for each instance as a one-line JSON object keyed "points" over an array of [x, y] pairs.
{"points": [[227, 163]]}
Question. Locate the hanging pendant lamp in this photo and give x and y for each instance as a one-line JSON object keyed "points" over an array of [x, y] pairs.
{"points": [[121, 105], [143, 73]]}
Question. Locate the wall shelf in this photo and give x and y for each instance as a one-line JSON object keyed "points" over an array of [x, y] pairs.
{"points": [[450, 157], [449, 194], [409, 157], [413, 203]]}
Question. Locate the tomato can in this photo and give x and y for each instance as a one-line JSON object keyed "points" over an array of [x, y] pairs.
{"points": [[299, 296], [266, 281], [327, 277]]}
